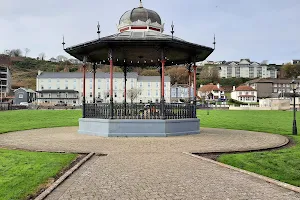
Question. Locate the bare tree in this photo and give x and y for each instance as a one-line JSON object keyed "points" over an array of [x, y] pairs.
{"points": [[61, 58], [26, 51], [105, 96], [6, 52], [42, 56], [133, 94]]}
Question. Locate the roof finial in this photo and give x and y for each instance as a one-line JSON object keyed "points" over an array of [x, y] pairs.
{"points": [[172, 31], [214, 43], [98, 27], [63, 43], [141, 4]]}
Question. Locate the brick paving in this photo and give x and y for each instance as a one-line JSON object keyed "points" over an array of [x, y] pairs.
{"points": [[154, 168]]}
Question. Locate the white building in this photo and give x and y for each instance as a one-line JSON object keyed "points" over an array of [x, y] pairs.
{"points": [[67, 87], [244, 94], [5, 82], [211, 92], [247, 69]]}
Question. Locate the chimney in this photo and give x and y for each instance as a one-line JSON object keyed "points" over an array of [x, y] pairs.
{"points": [[233, 89], [201, 86], [40, 72], [218, 85]]}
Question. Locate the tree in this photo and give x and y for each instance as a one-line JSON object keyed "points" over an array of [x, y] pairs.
{"points": [[61, 58], [26, 51], [13, 52], [42, 56], [106, 69], [210, 74], [290, 71], [133, 94], [178, 75], [150, 72]]}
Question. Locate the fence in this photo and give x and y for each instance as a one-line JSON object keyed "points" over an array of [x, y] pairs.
{"points": [[139, 111]]}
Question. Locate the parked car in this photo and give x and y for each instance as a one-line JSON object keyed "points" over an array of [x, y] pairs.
{"points": [[60, 104], [24, 104]]}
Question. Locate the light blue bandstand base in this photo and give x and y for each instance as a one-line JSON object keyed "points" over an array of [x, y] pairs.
{"points": [[138, 128]]}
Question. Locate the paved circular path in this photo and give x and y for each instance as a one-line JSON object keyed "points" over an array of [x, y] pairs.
{"points": [[154, 168], [210, 140]]}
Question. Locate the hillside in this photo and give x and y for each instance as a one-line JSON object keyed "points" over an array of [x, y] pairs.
{"points": [[24, 70]]}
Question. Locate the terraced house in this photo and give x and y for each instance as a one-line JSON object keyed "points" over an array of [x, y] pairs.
{"points": [[67, 88], [247, 69]]}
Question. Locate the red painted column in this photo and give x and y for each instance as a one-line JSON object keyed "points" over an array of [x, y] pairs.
{"points": [[195, 82], [163, 79], [190, 84], [94, 83], [111, 78], [111, 86], [83, 95], [84, 72]]}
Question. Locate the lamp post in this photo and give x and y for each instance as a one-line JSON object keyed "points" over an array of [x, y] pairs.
{"points": [[294, 86]]}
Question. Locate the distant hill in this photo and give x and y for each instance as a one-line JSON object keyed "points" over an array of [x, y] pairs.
{"points": [[24, 70]]}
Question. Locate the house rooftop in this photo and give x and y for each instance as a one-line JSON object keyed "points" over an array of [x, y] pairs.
{"points": [[210, 87], [244, 88]]}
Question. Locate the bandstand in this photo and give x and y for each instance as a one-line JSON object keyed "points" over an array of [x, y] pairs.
{"points": [[140, 42]]}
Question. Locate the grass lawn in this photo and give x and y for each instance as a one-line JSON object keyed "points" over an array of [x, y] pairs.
{"points": [[279, 122], [33, 119], [22, 173], [283, 165]]}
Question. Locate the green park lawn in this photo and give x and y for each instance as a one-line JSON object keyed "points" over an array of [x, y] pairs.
{"points": [[34, 119], [283, 165], [22, 173]]}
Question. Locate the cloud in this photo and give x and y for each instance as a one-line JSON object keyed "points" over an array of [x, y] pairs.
{"points": [[260, 30]]}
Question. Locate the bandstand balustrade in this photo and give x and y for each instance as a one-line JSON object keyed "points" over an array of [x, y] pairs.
{"points": [[140, 111]]}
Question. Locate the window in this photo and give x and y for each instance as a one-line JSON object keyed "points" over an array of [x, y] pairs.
{"points": [[275, 90], [66, 95], [149, 84], [141, 84], [42, 95], [49, 87], [49, 95], [21, 96], [99, 95], [42, 87], [91, 94], [49, 80], [157, 85], [149, 94], [156, 92]]}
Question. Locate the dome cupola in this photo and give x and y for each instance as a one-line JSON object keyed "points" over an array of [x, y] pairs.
{"points": [[140, 19]]}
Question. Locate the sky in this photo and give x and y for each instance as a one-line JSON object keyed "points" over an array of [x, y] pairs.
{"points": [[257, 29]]}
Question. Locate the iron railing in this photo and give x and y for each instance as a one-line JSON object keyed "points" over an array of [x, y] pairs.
{"points": [[140, 111], [5, 106]]}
